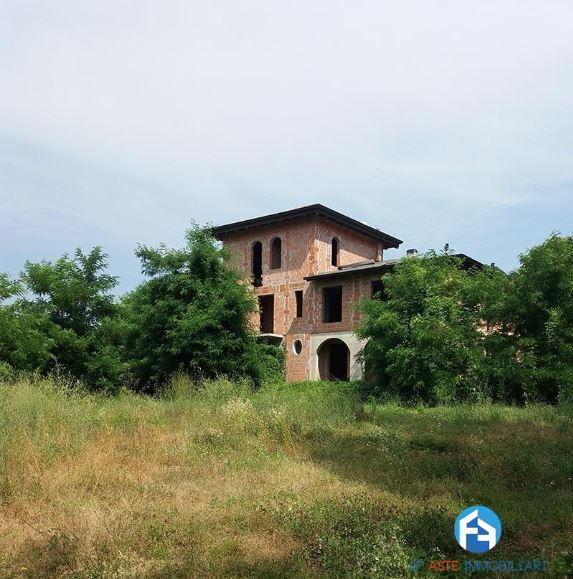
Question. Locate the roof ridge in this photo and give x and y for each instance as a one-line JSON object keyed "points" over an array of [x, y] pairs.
{"points": [[315, 209]]}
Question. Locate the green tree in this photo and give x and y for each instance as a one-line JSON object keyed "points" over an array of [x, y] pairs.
{"points": [[74, 295], [426, 340], [191, 316], [541, 312], [24, 341]]}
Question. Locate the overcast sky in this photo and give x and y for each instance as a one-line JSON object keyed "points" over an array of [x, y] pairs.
{"points": [[436, 121]]}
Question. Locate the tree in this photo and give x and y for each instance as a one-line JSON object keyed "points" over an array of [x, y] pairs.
{"points": [[426, 340], [541, 313], [191, 316], [74, 296], [24, 341]]}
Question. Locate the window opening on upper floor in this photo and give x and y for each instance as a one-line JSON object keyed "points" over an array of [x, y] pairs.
{"points": [[335, 247], [257, 264], [332, 301], [276, 251]]}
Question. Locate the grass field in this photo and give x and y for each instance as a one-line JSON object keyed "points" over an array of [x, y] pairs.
{"points": [[297, 480]]}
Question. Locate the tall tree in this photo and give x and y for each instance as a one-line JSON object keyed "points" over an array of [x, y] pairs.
{"points": [[191, 316], [75, 295], [541, 309]]}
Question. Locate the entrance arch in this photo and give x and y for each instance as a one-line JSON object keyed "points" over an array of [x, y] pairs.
{"points": [[333, 360]]}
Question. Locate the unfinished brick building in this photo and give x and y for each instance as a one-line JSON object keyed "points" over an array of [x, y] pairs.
{"points": [[309, 267]]}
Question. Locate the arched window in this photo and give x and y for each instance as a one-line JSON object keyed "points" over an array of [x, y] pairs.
{"points": [[257, 263], [276, 253], [335, 251]]}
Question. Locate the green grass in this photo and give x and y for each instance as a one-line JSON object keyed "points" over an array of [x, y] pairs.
{"points": [[293, 480]]}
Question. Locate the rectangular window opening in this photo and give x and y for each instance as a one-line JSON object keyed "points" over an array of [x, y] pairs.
{"points": [[298, 297], [378, 291], [267, 314], [332, 304]]}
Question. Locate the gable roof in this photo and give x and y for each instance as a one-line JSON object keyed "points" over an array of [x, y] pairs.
{"points": [[316, 210]]}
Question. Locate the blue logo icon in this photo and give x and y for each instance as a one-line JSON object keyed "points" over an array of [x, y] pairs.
{"points": [[477, 529], [416, 565]]}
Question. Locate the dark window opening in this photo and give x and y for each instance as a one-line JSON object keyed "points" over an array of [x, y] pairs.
{"points": [[333, 304], [335, 250], [334, 360], [276, 253], [298, 296], [379, 291], [267, 314], [257, 264]]}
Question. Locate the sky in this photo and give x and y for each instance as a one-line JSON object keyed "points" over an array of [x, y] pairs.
{"points": [[123, 121]]}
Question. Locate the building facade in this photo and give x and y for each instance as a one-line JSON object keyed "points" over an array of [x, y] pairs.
{"points": [[310, 267]]}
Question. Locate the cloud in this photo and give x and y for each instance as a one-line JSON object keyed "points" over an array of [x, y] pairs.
{"points": [[124, 119]]}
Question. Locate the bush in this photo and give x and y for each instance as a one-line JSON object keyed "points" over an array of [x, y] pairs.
{"points": [[60, 319]]}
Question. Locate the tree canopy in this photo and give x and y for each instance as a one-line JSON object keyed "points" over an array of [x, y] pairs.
{"points": [[447, 332], [192, 316], [440, 332]]}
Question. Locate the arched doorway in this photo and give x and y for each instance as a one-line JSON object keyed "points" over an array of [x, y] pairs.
{"points": [[334, 360]]}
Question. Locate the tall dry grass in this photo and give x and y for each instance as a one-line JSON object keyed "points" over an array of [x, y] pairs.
{"points": [[292, 480]]}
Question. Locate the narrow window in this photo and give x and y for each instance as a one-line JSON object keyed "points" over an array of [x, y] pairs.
{"points": [[298, 296], [332, 304], [378, 290], [257, 264], [267, 314], [335, 250], [276, 253]]}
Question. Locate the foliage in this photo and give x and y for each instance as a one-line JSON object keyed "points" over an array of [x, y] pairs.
{"points": [[443, 332], [25, 343], [425, 340], [75, 295], [63, 320], [451, 333], [191, 316], [541, 314]]}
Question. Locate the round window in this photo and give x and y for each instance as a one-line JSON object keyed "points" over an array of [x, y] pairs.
{"points": [[297, 347]]}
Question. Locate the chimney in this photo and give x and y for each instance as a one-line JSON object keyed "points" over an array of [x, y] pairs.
{"points": [[411, 252]]}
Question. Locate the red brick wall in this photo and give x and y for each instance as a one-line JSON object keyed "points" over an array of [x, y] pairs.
{"points": [[297, 367], [354, 247], [298, 261], [353, 289], [306, 247]]}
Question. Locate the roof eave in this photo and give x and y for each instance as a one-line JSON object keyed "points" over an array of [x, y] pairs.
{"points": [[337, 274], [309, 211]]}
